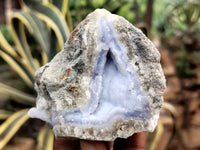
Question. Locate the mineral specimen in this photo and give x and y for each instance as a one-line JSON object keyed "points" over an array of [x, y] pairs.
{"points": [[106, 83]]}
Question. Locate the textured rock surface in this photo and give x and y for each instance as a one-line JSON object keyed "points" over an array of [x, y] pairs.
{"points": [[106, 83]]}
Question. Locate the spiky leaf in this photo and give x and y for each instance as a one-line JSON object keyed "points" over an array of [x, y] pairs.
{"points": [[4, 114], [53, 18], [45, 139], [11, 126], [18, 67], [17, 95]]}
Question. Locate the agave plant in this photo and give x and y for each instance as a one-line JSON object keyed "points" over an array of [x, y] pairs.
{"points": [[46, 22]]}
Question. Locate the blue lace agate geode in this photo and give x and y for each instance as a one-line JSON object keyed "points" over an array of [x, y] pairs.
{"points": [[106, 83]]}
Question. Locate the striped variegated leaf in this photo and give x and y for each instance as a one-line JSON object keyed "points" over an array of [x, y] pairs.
{"points": [[62, 5], [37, 28], [170, 108], [160, 127], [45, 139], [7, 47], [19, 37], [17, 95], [158, 135], [18, 33], [11, 126], [18, 67], [52, 16], [4, 114]]}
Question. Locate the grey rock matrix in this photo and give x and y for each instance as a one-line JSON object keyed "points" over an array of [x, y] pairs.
{"points": [[106, 83]]}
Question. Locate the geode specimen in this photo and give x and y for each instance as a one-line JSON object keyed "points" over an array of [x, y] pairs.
{"points": [[106, 83]]}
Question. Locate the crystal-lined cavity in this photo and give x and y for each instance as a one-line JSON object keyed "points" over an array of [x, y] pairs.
{"points": [[115, 92], [106, 83]]}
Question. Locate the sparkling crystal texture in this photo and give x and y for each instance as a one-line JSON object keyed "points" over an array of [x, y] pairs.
{"points": [[106, 83]]}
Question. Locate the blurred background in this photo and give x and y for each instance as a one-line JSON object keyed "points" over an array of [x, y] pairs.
{"points": [[33, 31]]}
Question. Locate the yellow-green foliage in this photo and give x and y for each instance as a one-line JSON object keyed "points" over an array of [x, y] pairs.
{"points": [[46, 22]]}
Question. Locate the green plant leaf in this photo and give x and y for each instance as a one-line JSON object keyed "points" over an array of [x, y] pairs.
{"points": [[11, 126], [19, 37], [62, 5], [169, 107], [52, 16], [158, 135], [4, 114], [17, 95], [6, 46], [40, 31], [45, 139], [6, 33], [18, 67], [69, 19], [37, 28]]}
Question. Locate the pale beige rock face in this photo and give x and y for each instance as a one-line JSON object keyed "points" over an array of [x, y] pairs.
{"points": [[106, 83]]}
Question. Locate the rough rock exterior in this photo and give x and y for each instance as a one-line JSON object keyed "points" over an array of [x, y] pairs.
{"points": [[106, 83]]}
